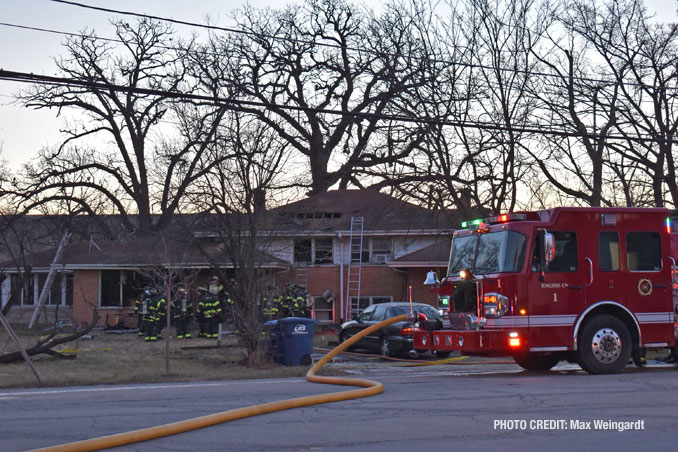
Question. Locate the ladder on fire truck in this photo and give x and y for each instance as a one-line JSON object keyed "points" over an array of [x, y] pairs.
{"points": [[50, 278], [354, 266]]}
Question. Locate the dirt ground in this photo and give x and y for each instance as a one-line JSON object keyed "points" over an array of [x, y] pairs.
{"points": [[103, 357]]}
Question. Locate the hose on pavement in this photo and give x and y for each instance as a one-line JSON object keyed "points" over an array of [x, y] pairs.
{"points": [[368, 388]]}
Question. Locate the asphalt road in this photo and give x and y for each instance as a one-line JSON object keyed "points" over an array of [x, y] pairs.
{"points": [[437, 408]]}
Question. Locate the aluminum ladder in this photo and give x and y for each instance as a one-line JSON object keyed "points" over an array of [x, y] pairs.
{"points": [[354, 267], [50, 278]]}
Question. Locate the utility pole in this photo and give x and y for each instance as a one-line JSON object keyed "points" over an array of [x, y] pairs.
{"points": [[22, 350]]}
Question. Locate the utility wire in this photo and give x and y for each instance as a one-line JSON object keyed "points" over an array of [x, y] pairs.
{"points": [[195, 52], [324, 44], [249, 105]]}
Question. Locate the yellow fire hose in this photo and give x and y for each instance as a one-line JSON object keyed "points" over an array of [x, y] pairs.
{"points": [[369, 388]]}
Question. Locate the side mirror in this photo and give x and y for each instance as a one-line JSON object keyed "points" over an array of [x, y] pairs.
{"points": [[549, 247], [354, 317]]}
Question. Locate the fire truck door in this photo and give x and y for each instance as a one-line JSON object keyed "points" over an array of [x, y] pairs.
{"points": [[648, 271], [553, 296], [604, 278]]}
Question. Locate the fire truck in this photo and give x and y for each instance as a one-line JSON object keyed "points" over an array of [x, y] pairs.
{"points": [[595, 286]]}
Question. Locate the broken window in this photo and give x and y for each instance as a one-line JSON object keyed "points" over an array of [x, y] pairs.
{"points": [[323, 250]]}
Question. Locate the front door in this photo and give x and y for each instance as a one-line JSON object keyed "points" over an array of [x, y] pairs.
{"points": [[552, 296]]}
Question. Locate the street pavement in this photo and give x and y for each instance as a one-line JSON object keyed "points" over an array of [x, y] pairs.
{"points": [[482, 404]]}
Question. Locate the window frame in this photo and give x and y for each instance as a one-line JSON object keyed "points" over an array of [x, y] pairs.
{"points": [[313, 251], [600, 233], [626, 252], [576, 261]]}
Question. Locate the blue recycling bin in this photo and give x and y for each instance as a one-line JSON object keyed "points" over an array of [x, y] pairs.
{"points": [[275, 341], [297, 338]]}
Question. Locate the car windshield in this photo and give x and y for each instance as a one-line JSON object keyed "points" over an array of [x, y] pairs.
{"points": [[493, 252], [429, 311]]}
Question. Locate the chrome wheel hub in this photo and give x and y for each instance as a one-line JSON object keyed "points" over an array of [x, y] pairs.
{"points": [[606, 345]]}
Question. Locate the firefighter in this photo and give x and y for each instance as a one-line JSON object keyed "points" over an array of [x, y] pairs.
{"points": [[226, 303], [156, 305], [182, 311], [301, 309], [210, 309], [287, 303], [277, 306], [141, 308], [269, 308], [215, 286], [200, 314]]}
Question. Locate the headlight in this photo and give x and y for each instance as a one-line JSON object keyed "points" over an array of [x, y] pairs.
{"points": [[495, 305]]}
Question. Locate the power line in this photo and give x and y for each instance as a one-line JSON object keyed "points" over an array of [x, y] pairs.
{"points": [[250, 106], [324, 44]]}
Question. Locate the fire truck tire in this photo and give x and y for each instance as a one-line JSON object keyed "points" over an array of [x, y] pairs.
{"points": [[343, 337], [537, 361], [442, 355], [604, 345]]}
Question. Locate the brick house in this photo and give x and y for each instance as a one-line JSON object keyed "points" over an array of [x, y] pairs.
{"points": [[309, 243]]}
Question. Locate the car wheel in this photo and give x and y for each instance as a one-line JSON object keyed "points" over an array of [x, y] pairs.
{"points": [[604, 346], [535, 361], [343, 337], [384, 347], [442, 355]]}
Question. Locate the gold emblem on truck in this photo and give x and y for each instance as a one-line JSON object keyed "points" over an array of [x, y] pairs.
{"points": [[644, 287]]}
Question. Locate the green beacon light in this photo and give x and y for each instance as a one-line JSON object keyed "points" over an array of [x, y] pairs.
{"points": [[467, 224]]}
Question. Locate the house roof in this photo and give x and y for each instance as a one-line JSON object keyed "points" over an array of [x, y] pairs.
{"points": [[332, 211], [435, 255], [148, 252], [327, 213]]}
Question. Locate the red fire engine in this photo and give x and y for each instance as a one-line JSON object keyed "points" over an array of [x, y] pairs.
{"points": [[588, 285]]}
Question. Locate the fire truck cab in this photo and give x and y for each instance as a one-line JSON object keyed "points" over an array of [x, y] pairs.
{"points": [[588, 285]]}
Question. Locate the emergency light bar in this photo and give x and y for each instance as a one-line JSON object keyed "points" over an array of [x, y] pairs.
{"points": [[505, 218]]}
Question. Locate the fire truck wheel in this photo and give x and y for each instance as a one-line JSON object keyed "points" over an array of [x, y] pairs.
{"points": [[604, 346], [343, 337], [537, 361], [384, 347], [442, 355]]}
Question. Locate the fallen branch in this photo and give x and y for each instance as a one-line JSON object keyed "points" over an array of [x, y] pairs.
{"points": [[46, 344]]}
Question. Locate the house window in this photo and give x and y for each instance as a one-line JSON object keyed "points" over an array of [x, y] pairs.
{"points": [[28, 298], [120, 288], [302, 251], [323, 250], [318, 251], [15, 289], [381, 250]]}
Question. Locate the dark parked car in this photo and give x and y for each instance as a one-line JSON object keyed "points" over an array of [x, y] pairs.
{"points": [[395, 339]]}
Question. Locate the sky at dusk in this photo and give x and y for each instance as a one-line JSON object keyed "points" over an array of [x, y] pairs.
{"points": [[23, 132]]}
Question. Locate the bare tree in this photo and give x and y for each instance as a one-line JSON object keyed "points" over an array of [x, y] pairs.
{"points": [[640, 56], [571, 100], [109, 161], [233, 197], [306, 60]]}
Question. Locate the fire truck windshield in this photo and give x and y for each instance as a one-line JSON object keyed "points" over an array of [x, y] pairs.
{"points": [[493, 252]]}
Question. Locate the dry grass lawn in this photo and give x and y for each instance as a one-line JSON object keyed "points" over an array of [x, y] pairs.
{"points": [[125, 358]]}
